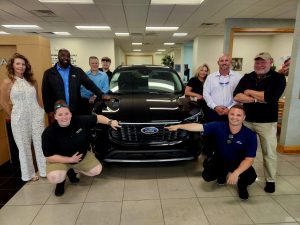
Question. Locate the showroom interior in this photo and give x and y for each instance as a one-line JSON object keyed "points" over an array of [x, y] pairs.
{"points": [[132, 32]]}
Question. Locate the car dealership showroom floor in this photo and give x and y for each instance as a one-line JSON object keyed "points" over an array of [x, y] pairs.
{"points": [[158, 194]]}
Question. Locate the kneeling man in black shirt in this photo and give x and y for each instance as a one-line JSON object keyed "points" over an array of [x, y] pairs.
{"points": [[66, 144]]}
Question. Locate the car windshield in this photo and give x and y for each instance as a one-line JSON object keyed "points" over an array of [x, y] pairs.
{"points": [[146, 81]]}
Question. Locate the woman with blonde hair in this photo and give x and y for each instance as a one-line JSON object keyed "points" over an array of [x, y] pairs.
{"points": [[194, 88], [19, 99]]}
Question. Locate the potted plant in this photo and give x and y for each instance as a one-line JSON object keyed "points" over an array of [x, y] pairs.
{"points": [[168, 60]]}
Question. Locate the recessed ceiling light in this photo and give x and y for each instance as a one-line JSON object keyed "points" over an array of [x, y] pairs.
{"points": [[68, 1], [93, 27], [3, 32], [61, 33], [176, 2], [122, 34], [169, 43], [161, 28], [22, 26], [137, 43], [179, 34], [137, 50], [161, 50]]}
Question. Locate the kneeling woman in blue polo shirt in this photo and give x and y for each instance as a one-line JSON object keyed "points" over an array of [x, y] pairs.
{"points": [[66, 144]]}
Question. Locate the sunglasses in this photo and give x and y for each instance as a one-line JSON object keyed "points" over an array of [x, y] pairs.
{"points": [[224, 83], [230, 138], [60, 105]]}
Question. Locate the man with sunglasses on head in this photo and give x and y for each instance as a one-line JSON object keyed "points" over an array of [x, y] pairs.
{"points": [[218, 89], [259, 91], [235, 152], [218, 93], [105, 62]]}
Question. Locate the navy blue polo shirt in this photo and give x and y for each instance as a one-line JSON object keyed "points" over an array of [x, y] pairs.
{"points": [[232, 147]]}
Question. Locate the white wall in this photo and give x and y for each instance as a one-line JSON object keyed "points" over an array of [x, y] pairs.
{"points": [[247, 47], [157, 59], [119, 56], [83, 48], [207, 49], [281, 45]]}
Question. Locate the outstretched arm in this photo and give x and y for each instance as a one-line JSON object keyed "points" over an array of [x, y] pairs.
{"points": [[196, 127], [104, 120]]}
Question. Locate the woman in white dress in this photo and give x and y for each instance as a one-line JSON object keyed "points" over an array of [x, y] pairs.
{"points": [[19, 98]]}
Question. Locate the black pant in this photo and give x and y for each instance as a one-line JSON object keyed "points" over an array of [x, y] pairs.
{"points": [[217, 168]]}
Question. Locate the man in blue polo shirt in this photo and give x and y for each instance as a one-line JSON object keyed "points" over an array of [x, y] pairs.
{"points": [[100, 79], [235, 153]]}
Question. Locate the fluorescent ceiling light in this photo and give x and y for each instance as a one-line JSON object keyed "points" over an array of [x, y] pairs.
{"points": [[169, 43], [176, 2], [122, 34], [93, 27], [137, 50], [68, 1], [137, 43], [161, 28], [161, 50], [179, 34], [22, 26], [61, 33], [3, 32]]}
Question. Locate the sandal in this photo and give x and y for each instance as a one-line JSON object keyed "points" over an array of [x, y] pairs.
{"points": [[35, 178]]}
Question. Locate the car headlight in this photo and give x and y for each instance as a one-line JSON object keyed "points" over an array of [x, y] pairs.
{"points": [[195, 117]]}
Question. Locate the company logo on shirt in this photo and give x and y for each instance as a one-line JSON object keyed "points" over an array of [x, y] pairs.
{"points": [[78, 131]]}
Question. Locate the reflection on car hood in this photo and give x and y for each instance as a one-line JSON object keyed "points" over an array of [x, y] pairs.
{"points": [[147, 108]]}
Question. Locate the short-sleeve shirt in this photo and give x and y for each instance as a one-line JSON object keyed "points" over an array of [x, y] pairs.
{"points": [[196, 85], [66, 141], [232, 148]]}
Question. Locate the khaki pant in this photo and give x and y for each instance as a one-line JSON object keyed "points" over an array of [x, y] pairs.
{"points": [[85, 165], [266, 133]]}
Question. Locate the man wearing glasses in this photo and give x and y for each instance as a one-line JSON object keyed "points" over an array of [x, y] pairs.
{"points": [[235, 152], [259, 91], [218, 89]]}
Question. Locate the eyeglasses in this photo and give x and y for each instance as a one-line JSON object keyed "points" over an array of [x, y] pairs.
{"points": [[230, 138], [224, 83], [105, 60]]}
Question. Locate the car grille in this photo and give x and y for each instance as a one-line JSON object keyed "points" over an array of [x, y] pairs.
{"points": [[132, 133]]}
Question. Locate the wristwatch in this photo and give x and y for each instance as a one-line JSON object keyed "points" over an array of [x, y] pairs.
{"points": [[109, 122]]}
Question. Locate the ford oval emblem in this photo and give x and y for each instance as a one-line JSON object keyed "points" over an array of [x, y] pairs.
{"points": [[149, 130]]}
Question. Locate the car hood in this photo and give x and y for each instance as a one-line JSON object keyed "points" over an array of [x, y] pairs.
{"points": [[147, 108]]}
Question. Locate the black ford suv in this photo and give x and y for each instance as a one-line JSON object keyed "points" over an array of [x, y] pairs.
{"points": [[145, 99]]}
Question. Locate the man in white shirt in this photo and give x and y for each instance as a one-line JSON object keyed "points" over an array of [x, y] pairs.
{"points": [[218, 89]]}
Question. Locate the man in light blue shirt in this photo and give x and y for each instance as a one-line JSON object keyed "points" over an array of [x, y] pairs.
{"points": [[101, 81]]}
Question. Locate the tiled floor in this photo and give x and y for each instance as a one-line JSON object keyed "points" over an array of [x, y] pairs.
{"points": [[10, 182], [158, 194]]}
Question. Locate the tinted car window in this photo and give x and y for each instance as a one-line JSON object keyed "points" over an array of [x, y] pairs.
{"points": [[146, 81]]}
